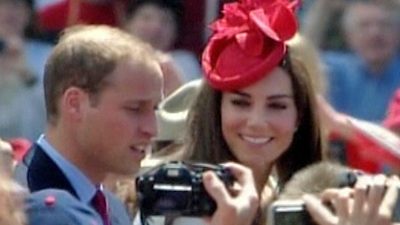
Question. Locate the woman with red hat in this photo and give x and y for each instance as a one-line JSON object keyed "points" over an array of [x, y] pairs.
{"points": [[258, 104]]}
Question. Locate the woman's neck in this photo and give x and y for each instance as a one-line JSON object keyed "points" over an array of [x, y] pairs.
{"points": [[265, 192], [261, 176]]}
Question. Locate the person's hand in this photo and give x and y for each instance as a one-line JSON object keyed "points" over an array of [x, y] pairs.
{"points": [[370, 202], [237, 208]]}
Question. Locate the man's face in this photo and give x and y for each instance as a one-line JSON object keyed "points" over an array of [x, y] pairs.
{"points": [[372, 33], [114, 133]]}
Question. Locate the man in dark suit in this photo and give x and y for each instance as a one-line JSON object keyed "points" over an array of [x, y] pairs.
{"points": [[101, 88]]}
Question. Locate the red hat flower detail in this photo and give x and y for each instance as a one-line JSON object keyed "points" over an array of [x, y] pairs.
{"points": [[248, 41]]}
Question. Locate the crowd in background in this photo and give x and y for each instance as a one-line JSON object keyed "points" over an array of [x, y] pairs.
{"points": [[351, 49], [356, 43]]}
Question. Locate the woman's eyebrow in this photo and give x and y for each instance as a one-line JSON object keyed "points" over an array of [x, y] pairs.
{"points": [[279, 96], [270, 97], [273, 96]]}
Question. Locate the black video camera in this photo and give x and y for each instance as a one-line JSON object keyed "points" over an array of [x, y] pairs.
{"points": [[177, 188]]}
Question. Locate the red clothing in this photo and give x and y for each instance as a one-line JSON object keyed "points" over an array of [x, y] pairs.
{"points": [[371, 147], [356, 159], [56, 17], [20, 146]]}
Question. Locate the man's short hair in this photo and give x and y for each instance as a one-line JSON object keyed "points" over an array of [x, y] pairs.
{"points": [[85, 56]]}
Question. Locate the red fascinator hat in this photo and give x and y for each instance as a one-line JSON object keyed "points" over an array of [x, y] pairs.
{"points": [[248, 41]]}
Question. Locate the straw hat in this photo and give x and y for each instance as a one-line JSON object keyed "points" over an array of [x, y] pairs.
{"points": [[173, 111]]}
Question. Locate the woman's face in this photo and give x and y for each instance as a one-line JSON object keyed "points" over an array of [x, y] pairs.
{"points": [[258, 121]]}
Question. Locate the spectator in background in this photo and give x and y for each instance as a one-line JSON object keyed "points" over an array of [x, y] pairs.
{"points": [[21, 104], [30, 55], [159, 22], [21, 64], [54, 17], [362, 80], [356, 143]]}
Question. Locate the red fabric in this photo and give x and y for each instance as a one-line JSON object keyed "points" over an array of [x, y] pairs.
{"points": [[20, 147], [392, 119], [357, 160], [99, 202], [354, 158], [363, 153], [54, 17], [253, 33]]}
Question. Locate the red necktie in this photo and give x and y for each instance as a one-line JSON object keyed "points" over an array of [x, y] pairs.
{"points": [[99, 202]]}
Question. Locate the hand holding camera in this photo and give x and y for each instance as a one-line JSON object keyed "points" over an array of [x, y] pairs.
{"points": [[177, 188], [372, 201], [239, 209], [198, 190], [345, 197]]}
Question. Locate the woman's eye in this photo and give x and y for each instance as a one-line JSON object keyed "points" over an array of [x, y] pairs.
{"points": [[239, 102], [277, 105], [133, 108]]}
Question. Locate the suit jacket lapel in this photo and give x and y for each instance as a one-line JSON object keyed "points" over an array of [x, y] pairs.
{"points": [[44, 173]]}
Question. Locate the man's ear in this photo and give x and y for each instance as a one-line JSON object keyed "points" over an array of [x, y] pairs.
{"points": [[73, 102]]}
